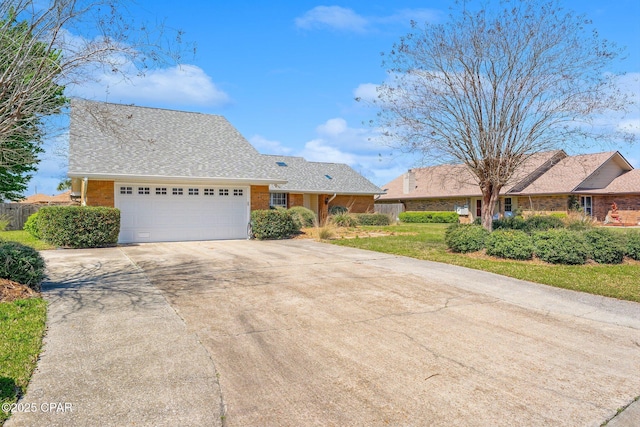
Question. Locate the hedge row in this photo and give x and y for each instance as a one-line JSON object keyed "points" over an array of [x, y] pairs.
{"points": [[274, 224], [76, 226], [428, 217], [556, 245]]}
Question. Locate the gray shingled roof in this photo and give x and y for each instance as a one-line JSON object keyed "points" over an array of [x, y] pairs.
{"points": [[311, 177], [113, 140]]}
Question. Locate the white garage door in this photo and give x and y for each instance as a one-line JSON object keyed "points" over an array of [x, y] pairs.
{"points": [[172, 212]]}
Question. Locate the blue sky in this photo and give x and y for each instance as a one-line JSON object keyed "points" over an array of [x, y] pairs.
{"points": [[285, 73]]}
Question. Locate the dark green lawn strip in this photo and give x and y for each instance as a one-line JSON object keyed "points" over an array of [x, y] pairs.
{"points": [[22, 325], [426, 241]]}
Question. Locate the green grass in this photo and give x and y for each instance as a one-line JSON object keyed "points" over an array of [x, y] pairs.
{"points": [[22, 324], [426, 241], [25, 238]]}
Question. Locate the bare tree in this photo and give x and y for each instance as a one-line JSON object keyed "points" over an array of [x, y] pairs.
{"points": [[491, 87], [48, 45]]}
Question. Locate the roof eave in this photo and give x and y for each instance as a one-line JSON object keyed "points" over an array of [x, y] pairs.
{"points": [[164, 178]]}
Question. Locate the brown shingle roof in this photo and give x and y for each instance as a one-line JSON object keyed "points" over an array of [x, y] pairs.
{"points": [[628, 182], [567, 174], [44, 198], [457, 180]]}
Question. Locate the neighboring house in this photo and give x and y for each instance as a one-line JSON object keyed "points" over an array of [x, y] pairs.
{"points": [[189, 176], [546, 182], [45, 199]]}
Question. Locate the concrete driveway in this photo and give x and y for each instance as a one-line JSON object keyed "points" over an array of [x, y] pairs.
{"points": [[298, 333]]}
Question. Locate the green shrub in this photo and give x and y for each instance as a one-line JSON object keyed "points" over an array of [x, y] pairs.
{"points": [[632, 249], [465, 238], [337, 210], [21, 264], [560, 246], [79, 226], [605, 246], [305, 217], [5, 220], [429, 217], [511, 223], [31, 225], [273, 224], [343, 220], [542, 223], [512, 244], [373, 219]]}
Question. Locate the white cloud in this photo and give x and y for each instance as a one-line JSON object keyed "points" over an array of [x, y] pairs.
{"points": [[178, 85], [366, 92], [267, 146], [347, 20], [333, 17], [333, 127]]}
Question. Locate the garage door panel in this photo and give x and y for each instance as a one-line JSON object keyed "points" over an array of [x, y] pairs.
{"points": [[148, 215]]}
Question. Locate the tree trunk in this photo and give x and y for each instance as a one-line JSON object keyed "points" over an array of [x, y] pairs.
{"points": [[489, 197]]}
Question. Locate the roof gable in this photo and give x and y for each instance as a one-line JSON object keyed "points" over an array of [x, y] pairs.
{"points": [[123, 140]]}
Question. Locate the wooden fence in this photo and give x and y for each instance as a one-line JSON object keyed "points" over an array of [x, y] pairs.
{"points": [[389, 208], [17, 213]]}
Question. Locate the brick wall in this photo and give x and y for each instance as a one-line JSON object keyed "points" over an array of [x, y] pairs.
{"points": [[259, 197], [628, 207], [295, 200], [356, 204], [544, 203], [100, 193]]}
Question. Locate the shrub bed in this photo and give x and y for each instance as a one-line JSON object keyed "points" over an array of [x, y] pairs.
{"points": [[560, 246], [632, 249], [542, 223], [512, 223], [21, 264], [305, 217], [373, 219], [512, 244], [273, 224], [465, 238], [343, 220], [428, 217], [79, 226], [605, 246], [337, 210]]}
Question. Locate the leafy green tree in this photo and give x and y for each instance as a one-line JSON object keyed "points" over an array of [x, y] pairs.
{"points": [[21, 142]]}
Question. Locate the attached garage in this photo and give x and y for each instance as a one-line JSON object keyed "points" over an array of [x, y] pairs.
{"points": [[178, 212]]}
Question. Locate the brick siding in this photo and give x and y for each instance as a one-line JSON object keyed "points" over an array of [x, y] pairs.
{"points": [[356, 204], [628, 207], [441, 205], [295, 200], [259, 197], [544, 203], [100, 193]]}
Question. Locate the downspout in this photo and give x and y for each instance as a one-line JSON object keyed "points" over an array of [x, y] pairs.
{"points": [[83, 196], [332, 197]]}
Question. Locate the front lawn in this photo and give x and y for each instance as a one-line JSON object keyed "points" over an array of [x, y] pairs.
{"points": [[22, 324], [25, 238], [426, 241]]}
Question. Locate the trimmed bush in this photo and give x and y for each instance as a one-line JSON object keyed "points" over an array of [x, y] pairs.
{"points": [[512, 244], [21, 264], [465, 238], [338, 210], [31, 225], [79, 226], [273, 224], [373, 219], [428, 217], [542, 223], [560, 246], [632, 249], [305, 217], [512, 223], [343, 220], [605, 246]]}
